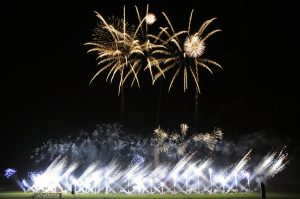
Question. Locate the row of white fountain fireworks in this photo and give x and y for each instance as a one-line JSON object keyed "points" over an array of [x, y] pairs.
{"points": [[187, 176]]}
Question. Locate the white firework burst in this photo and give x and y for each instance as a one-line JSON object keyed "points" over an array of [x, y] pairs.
{"points": [[150, 18], [194, 46]]}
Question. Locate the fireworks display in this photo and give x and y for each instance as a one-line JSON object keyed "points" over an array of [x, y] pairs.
{"points": [[93, 163], [111, 160], [126, 49], [189, 174], [186, 176]]}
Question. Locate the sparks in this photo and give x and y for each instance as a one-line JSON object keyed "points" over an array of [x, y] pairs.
{"points": [[187, 176], [193, 46], [150, 18], [9, 172], [180, 140], [184, 52]]}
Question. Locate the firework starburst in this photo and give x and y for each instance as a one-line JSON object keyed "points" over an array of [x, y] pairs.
{"points": [[117, 49], [185, 52], [193, 46], [125, 49]]}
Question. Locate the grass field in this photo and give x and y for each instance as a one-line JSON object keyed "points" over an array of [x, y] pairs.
{"points": [[19, 195]]}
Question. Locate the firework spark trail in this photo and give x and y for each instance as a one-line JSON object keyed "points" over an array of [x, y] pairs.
{"points": [[236, 172], [174, 173], [278, 165], [265, 163], [51, 178], [187, 176], [271, 165], [241, 164], [151, 48]]}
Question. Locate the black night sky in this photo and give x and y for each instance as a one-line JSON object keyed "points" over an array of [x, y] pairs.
{"points": [[45, 72]]}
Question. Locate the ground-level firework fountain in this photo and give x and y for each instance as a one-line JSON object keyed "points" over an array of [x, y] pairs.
{"points": [[186, 176]]}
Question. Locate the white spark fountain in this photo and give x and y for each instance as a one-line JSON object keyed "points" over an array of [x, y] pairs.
{"points": [[187, 176]]}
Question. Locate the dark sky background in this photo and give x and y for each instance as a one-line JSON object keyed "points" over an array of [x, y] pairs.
{"points": [[45, 72]]}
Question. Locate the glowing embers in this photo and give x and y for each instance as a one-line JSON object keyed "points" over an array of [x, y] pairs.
{"points": [[186, 176]]}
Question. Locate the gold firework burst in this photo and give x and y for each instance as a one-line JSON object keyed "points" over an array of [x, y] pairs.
{"points": [[166, 140], [209, 139], [186, 54], [117, 49], [160, 134], [122, 50]]}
